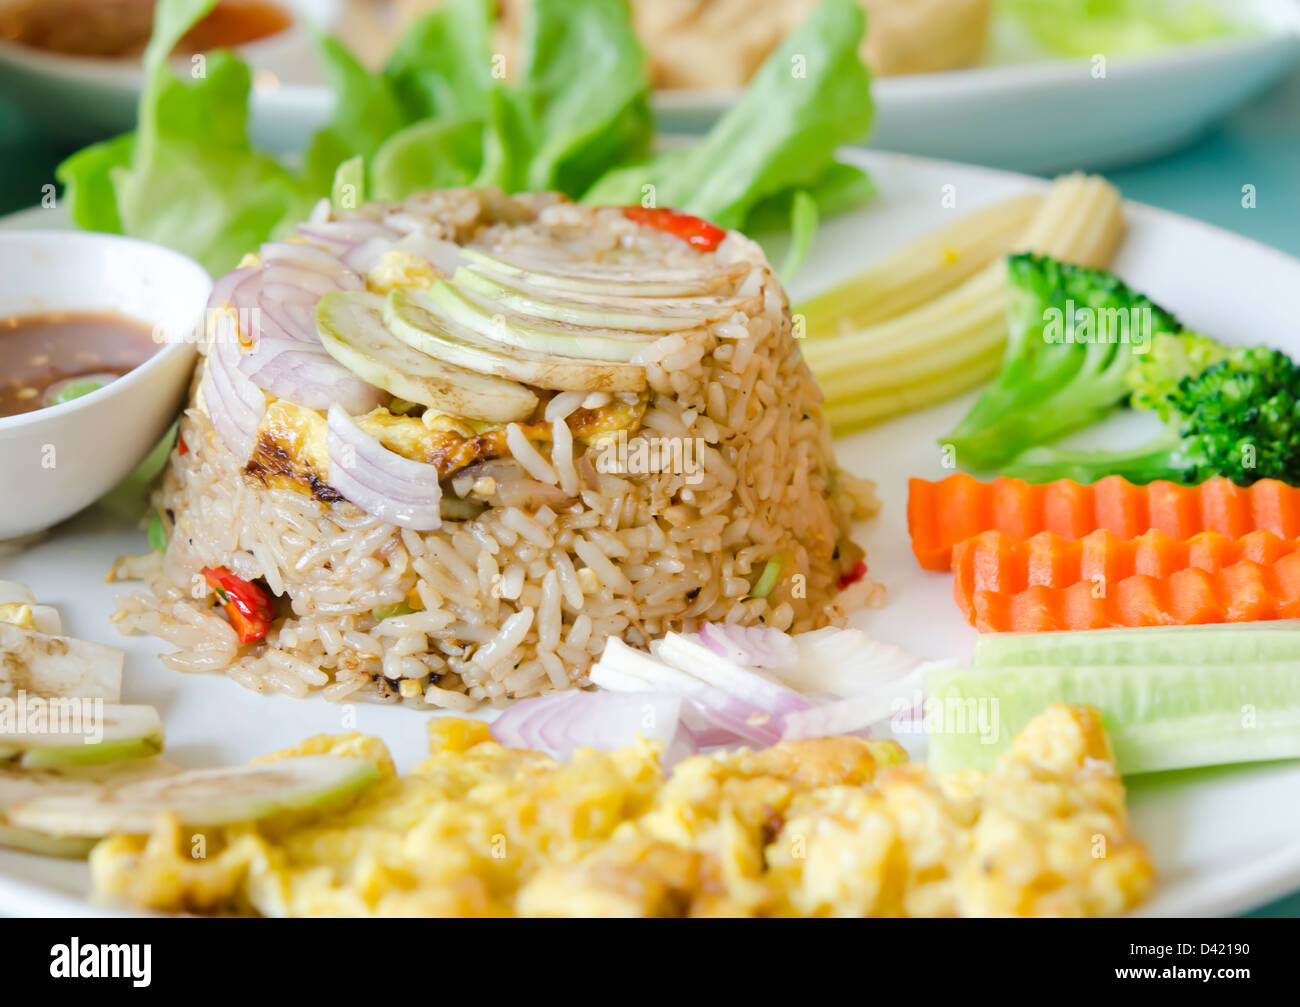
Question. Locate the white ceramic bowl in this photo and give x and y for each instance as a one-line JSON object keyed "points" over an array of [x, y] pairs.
{"points": [[55, 461]]}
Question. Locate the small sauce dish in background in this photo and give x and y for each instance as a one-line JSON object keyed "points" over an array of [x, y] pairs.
{"points": [[88, 302]]}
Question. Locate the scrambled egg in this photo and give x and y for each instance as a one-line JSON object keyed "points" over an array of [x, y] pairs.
{"points": [[400, 268], [832, 827], [291, 451]]}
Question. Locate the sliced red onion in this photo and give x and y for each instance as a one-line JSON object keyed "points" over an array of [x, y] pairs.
{"points": [[246, 294], [741, 683], [302, 278], [382, 483], [235, 405], [304, 373], [339, 235], [290, 310], [705, 731], [302, 255], [445, 255], [563, 722], [620, 666], [287, 320], [223, 290], [751, 646]]}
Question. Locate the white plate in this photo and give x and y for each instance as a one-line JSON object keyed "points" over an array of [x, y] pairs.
{"points": [[1223, 841], [1026, 113], [1030, 113]]}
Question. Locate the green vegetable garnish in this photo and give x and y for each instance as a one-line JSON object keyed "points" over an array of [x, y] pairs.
{"points": [[75, 389], [767, 580], [1154, 376], [1159, 716], [1052, 381], [1239, 418], [129, 499], [810, 96], [389, 611], [188, 178], [157, 534], [349, 188], [573, 116], [803, 226]]}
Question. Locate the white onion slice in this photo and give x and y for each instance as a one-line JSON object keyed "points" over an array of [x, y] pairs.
{"points": [[750, 686], [751, 646], [620, 665], [878, 704], [395, 489], [563, 722], [365, 255], [320, 213], [844, 662]]}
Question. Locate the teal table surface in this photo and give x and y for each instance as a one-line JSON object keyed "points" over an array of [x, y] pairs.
{"points": [[1258, 146]]}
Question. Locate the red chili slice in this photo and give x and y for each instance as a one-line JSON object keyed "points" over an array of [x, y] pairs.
{"points": [[853, 576], [181, 446], [246, 604], [695, 231]]}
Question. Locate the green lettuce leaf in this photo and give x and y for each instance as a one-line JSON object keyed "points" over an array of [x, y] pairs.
{"points": [[87, 180], [188, 178], [840, 187], [194, 184], [803, 227], [443, 64], [585, 90], [366, 114], [439, 113], [430, 154], [769, 163]]}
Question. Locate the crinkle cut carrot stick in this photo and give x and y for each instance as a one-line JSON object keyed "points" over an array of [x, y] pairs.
{"points": [[941, 514], [1243, 592], [992, 561]]}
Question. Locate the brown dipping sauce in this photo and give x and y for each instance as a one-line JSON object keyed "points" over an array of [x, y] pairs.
{"points": [[43, 357], [120, 28]]}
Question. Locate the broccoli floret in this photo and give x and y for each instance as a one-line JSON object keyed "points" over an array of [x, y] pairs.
{"points": [[1239, 418], [1155, 375], [1073, 335]]}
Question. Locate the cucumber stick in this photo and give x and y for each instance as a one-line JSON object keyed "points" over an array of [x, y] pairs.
{"points": [[1245, 643], [1159, 717]]}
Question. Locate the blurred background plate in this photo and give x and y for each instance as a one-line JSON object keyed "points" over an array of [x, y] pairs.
{"points": [[1021, 110], [1031, 114]]}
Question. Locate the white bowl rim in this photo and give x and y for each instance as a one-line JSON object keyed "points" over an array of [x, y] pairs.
{"points": [[136, 375]]}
